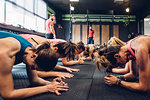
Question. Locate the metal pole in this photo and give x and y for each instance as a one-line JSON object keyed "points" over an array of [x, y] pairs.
{"points": [[70, 30], [87, 26]]}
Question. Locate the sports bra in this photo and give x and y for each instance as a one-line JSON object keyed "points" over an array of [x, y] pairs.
{"points": [[128, 44], [24, 44]]}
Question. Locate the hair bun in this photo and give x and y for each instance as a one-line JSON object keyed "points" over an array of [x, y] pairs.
{"points": [[102, 62], [43, 45], [46, 45]]}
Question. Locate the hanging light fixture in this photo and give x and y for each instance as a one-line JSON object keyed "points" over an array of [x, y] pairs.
{"points": [[74, 0], [72, 8], [127, 10]]}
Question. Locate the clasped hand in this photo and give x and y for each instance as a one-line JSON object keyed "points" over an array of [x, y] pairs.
{"points": [[110, 79], [57, 85]]}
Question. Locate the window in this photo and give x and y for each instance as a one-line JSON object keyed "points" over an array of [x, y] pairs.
{"points": [[29, 5], [1, 11], [29, 15], [14, 15], [42, 9], [29, 21], [20, 2], [41, 24], [146, 25], [9, 13]]}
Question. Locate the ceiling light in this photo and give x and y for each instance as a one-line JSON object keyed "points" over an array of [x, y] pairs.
{"points": [[116, 1], [146, 19], [127, 10], [72, 8], [74, 0]]}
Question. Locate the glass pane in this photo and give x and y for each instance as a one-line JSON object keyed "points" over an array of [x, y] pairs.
{"points": [[42, 9], [14, 14], [1, 11], [13, 1], [18, 17], [20, 2], [41, 25], [146, 25], [29, 22], [29, 5], [9, 13], [36, 7]]}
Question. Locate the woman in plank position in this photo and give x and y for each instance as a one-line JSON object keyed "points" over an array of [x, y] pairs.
{"points": [[60, 47], [13, 50], [136, 53]]}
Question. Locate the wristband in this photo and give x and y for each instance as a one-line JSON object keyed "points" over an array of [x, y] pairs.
{"points": [[47, 88], [119, 82], [109, 70], [121, 77]]}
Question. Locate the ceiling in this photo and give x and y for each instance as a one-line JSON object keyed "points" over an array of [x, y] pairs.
{"points": [[100, 6]]}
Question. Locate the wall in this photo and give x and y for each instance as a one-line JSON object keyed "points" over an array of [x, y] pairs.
{"points": [[66, 26], [99, 26]]}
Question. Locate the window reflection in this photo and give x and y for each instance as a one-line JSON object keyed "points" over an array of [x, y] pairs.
{"points": [[22, 13]]}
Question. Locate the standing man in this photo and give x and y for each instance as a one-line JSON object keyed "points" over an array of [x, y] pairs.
{"points": [[50, 32], [91, 34]]}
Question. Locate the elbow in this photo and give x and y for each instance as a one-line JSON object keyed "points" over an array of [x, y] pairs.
{"points": [[143, 88], [39, 74], [33, 82], [7, 96], [65, 64]]}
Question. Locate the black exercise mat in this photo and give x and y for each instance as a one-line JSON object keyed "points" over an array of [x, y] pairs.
{"points": [[79, 89], [86, 70], [19, 74], [19, 66], [101, 91]]}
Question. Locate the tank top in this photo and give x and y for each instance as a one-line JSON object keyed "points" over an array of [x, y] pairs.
{"points": [[91, 33], [24, 44], [49, 25], [128, 44]]}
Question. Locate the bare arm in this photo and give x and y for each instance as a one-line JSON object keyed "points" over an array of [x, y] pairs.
{"points": [[7, 58], [34, 79], [53, 31], [68, 63], [54, 74], [66, 68], [133, 71], [58, 67], [122, 70], [142, 59]]}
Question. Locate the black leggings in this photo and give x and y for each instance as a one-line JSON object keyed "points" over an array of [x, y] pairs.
{"points": [[91, 41], [49, 36]]}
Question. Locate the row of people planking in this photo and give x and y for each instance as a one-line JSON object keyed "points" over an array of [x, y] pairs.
{"points": [[40, 55]]}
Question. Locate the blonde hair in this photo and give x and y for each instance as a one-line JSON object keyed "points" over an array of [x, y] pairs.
{"points": [[102, 62], [80, 45], [52, 15], [115, 41], [107, 51]]}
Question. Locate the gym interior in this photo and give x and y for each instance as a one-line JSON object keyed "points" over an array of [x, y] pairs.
{"points": [[124, 19]]}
